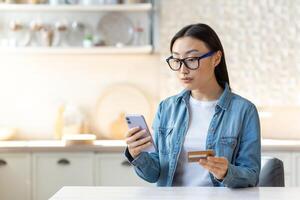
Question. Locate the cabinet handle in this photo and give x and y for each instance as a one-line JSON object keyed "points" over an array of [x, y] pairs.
{"points": [[125, 163], [63, 161], [3, 163]]}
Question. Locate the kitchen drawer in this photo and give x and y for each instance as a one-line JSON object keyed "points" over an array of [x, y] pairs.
{"points": [[51, 171], [112, 169], [14, 176]]}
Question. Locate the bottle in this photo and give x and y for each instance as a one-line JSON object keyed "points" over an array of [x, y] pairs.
{"points": [[59, 123], [73, 119], [85, 128], [138, 35]]}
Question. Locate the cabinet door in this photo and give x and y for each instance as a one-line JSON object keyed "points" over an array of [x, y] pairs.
{"points": [[14, 176], [52, 171], [286, 158], [296, 169], [112, 169]]}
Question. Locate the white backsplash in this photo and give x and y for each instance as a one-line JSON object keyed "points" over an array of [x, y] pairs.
{"points": [[33, 86]]}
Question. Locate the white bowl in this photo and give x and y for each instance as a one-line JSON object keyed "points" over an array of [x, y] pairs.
{"points": [[7, 133]]}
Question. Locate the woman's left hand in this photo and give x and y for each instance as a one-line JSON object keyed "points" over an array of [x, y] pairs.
{"points": [[218, 166]]}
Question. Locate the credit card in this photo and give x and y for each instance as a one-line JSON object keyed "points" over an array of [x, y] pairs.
{"points": [[195, 156]]}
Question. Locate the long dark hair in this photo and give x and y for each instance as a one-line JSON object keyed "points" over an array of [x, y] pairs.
{"points": [[206, 34]]}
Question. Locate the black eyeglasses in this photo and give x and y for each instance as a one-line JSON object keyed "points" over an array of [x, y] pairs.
{"points": [[191, 63]]}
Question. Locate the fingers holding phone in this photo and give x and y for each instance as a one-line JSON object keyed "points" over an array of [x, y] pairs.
{"points": [[139, 137], [136, 141]]}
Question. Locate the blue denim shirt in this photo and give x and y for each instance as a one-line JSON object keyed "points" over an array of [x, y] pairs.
{"points": [[234, 133]]}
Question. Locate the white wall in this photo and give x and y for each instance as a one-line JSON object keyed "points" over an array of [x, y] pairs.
{"points": [[260, 38]]}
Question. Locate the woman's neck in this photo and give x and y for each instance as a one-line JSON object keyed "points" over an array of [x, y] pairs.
{"points": [[208, 93]]}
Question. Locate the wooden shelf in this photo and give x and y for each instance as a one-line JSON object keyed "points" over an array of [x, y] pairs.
{"points": [[78, 50], [79, 8]]}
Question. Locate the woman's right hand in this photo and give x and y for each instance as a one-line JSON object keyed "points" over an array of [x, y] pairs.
{"points": [[136, 142]]}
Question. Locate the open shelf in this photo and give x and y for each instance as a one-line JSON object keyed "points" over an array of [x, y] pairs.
{"points": [[79, 50], [80, 8]]}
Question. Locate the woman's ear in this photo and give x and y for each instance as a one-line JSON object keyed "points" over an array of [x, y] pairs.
{"points": [[217, 58]]}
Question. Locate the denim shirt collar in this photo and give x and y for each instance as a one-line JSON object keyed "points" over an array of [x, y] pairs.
{"points": [[223, 101]]}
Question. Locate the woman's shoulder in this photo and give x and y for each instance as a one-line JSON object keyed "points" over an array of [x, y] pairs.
{"points": [[237, 101], [172, 100], [167, 102]]}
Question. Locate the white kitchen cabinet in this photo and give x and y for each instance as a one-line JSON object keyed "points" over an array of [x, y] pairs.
{"points": [[52, 171], [15, 176], [38, 175], [296, 170], [112, 169]]}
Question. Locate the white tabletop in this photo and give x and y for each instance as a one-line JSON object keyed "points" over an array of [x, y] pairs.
{"points": [[174, 193]]}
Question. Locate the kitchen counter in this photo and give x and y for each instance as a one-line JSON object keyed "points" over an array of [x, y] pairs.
{"points": [[116, 146], [280, 145], [57, 145], [173, 193]]}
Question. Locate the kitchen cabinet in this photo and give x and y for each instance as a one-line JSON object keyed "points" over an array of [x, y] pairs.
{"points": [[42, 170], [51, 171], [25, 35], [112, 169], [15, 176], [296, 159]]}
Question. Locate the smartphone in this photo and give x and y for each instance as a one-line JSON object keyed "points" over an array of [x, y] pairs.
{"points": [[134, 120]]}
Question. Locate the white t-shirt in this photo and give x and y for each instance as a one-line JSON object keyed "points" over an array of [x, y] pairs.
{"points": [[193, 174]]}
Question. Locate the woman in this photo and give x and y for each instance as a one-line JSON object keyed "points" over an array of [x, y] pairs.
{"points": [[206, 115]]}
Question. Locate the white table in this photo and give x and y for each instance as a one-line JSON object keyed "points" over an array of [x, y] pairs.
{"points": [[174, 193]]}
